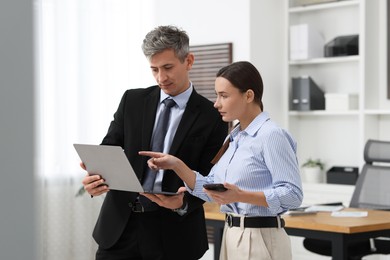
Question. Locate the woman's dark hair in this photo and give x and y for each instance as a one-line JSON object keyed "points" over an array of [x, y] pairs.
{"points": [[244, 76]]}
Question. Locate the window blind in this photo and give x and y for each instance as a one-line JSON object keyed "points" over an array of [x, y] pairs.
{"points": [[209, 59]]}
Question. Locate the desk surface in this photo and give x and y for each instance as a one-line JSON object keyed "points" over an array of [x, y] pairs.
{"points": [[323, 221]]}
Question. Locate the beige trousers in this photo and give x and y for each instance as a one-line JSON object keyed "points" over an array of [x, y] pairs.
{"points": [[255, 244]]}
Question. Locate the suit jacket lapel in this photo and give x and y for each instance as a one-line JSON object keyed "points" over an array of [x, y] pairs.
{"points": [[190, 115], [149, 108]]}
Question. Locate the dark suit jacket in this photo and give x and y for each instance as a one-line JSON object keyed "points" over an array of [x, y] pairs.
{"points": [[199, 136]]}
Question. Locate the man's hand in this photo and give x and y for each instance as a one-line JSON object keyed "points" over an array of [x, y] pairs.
{"points": [[169, 202], [93, 184]]}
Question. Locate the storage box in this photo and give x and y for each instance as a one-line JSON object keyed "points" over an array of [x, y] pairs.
{"points": [[342, 175], [337, 101], [342, 46]]}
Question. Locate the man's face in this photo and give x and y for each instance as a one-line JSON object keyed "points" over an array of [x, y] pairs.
{"points": [[170, 74]]}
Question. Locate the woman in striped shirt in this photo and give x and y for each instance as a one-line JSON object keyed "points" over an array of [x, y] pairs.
{"points": [[257, 166]]}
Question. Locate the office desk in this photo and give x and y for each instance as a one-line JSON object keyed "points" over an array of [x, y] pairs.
{"points": [[339, 230]]}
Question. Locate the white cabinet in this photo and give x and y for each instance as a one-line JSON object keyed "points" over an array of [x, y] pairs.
{"points": [[338, 137]]}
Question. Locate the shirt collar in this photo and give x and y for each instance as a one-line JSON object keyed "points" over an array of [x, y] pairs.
{"points": [[253, 127], [181, 99]]}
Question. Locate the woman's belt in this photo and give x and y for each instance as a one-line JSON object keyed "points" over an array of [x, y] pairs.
{"points": [[255, 222]]}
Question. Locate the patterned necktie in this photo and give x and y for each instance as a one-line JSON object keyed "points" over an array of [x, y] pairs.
{"points": [[158, 141]]}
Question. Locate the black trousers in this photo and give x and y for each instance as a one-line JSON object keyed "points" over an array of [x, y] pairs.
{"points": [[141, 240]]}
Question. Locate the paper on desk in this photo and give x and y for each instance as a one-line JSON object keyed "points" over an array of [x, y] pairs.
{"points": [[299, 212], [317, 208], [354, 214]]}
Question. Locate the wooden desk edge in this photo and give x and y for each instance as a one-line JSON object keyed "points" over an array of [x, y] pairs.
{"points": [[376, 220]]}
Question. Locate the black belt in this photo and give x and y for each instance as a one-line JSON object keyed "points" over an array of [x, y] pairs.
{"points": [[255, 222]]}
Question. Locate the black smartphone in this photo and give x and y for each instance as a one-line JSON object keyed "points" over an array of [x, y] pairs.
{"points": [[215, 187]]}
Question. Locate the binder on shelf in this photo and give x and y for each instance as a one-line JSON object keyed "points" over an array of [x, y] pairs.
{"points": [[305, 42], [306, 95]]}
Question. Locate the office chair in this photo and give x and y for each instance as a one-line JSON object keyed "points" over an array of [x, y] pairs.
{"points": [[372, 191]]}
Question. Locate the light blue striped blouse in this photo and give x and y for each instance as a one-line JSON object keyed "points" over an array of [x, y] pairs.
{"points": [[260, 158]]}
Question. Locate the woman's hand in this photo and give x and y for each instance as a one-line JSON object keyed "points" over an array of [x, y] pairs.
{"points": [[170, 162], [235, 194], [231, 195], [160, 160]]}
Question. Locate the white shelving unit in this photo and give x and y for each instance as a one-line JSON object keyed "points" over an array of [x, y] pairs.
{"points": [[338, 137]]}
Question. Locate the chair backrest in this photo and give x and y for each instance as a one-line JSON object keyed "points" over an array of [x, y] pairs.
{"points": [[372, 189]]}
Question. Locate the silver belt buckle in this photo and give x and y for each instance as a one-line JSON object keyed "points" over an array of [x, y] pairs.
{"points": [[229, 220]]}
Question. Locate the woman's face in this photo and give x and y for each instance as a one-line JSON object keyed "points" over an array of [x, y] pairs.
{"points": [[231, 103]]}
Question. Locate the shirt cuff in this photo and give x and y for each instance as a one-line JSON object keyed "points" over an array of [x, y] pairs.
{"points": [[272, 201]]}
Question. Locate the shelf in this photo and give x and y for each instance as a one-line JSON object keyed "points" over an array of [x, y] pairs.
{"points": [[324, 113], [329, 60], [315, 7], [373, 112], [340, 134], [377, 112]]}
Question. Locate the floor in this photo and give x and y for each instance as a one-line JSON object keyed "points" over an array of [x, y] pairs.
{"points": [[209, 255]]}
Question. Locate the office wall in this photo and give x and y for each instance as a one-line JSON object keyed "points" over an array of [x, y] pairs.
{"points": [[267, 51], [208, 21], [17, 183]]}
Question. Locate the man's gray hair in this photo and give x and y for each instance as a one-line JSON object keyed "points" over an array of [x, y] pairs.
{"points": [[166, 37]]}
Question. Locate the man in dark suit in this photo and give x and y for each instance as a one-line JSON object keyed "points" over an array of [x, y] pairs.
{"points": [[129, 225]]}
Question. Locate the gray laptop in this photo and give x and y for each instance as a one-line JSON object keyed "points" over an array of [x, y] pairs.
{"points": [[111, 163]]}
